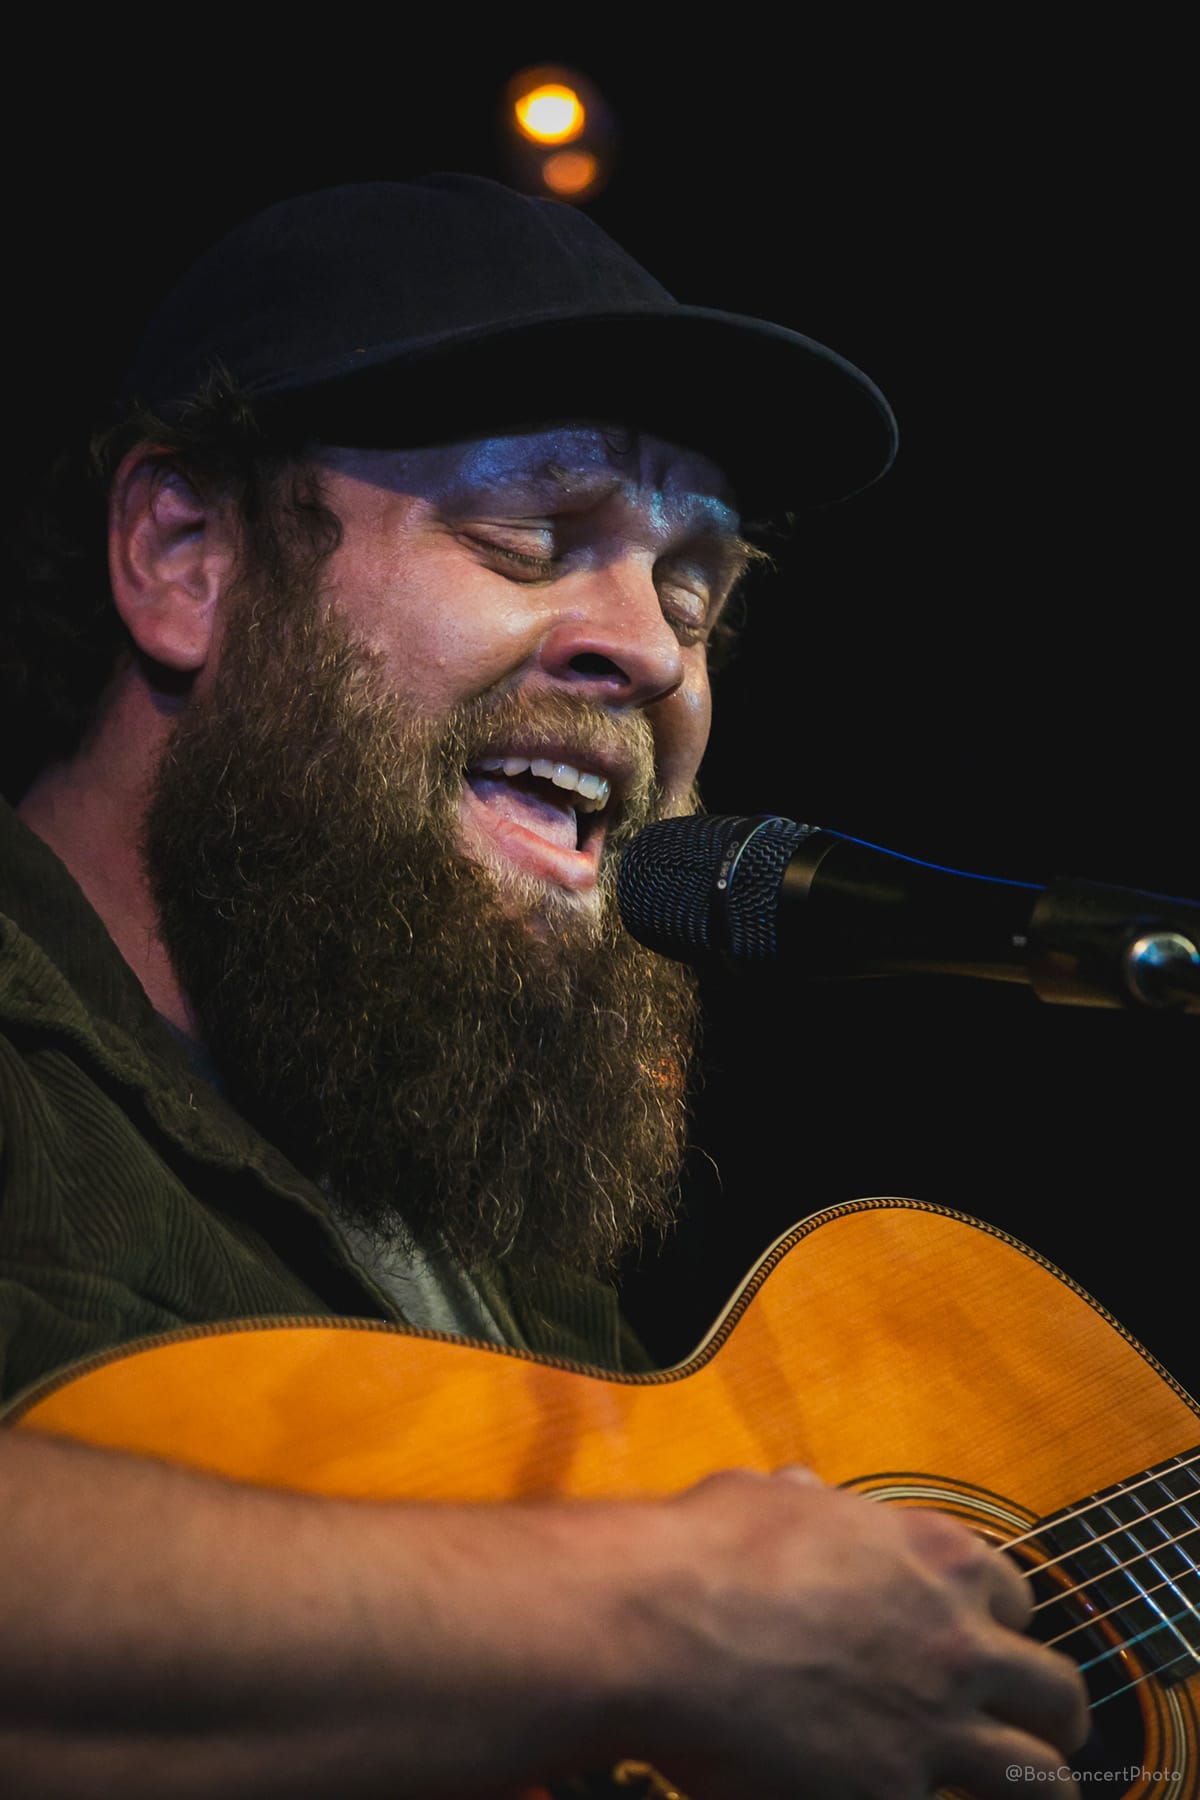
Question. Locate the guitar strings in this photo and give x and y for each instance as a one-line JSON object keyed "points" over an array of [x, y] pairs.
{"points": [[1120, 1649], [1137, 1680], [1126, 1528], [1125, 1688], [1097, 1618], [1190, 1612], [1164, 1623], [1116, 1568], [1122, 1568], [1181, 1465]]}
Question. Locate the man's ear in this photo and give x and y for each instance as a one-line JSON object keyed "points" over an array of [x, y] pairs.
{"points": [[170, 555]]}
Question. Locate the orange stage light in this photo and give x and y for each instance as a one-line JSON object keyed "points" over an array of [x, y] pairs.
{"points": [[558, 134], [550, 114], [570, 173]]}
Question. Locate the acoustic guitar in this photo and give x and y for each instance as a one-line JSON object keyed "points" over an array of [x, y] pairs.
{"points": [[902, 1350]]}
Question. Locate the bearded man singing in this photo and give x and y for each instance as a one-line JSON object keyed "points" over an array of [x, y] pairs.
{"points": [[424, 505]]}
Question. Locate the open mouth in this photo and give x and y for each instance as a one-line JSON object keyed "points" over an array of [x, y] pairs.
{"points": [[544, 814]]}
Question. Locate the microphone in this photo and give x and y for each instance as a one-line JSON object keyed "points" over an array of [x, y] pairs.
{"points": [[745, 892]]}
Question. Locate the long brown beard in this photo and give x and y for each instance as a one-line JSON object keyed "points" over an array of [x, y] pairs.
{"points": [[447, 1063]]}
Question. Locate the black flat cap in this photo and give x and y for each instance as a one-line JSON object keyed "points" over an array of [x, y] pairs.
{"points": [[408, 313]]}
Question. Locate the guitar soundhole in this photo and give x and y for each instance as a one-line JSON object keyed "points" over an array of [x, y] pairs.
{"points": [[1117, 1740]]}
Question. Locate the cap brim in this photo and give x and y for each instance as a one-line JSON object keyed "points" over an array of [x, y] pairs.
{"points": [[791, 423]]}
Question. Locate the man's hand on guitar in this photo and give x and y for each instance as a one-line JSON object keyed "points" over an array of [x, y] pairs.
{"points": [[804, 1640]]}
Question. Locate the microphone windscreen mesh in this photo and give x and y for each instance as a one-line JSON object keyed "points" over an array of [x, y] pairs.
{"points": [[704, 886]]}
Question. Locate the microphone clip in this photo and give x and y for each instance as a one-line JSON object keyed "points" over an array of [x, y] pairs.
{"points": [[1090, 944]]}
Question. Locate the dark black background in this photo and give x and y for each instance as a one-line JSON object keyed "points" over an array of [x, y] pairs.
{"points": [[988, 660]]}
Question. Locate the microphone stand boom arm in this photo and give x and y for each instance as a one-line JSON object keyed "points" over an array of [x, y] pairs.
{"points": [[1077, 943]]}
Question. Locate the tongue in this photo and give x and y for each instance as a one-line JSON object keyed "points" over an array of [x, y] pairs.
{"points": [[538, 811]]}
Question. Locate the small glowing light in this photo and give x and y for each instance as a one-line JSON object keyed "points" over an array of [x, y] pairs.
{"points": [[570, 172], [550, 114], [558, 133]]}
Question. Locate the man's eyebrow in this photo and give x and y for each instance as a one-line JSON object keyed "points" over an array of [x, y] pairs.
{"points": [[738, 555], [556, 482], [549, 480]]}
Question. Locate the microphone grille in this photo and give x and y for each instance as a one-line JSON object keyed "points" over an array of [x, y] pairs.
{"points": [[692, 888]]}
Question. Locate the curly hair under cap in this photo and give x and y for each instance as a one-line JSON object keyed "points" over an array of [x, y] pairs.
{"points": [[60, 633]]}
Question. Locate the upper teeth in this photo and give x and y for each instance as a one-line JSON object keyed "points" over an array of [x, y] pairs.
{"points": [[592, 789]]}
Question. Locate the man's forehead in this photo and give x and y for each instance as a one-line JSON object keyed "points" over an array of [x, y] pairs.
{"points": [[568, 464]]}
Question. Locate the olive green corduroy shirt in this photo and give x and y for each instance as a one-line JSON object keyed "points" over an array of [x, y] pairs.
{"points": [[134, 1200]]}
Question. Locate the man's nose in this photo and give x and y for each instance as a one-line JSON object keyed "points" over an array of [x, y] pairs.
{"points": [[611, 638]]}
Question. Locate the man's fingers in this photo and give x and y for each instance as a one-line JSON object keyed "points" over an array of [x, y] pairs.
{"points": [[1044, 1691], [801, 1473], [1010, 1592], [1001, 1762]]}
